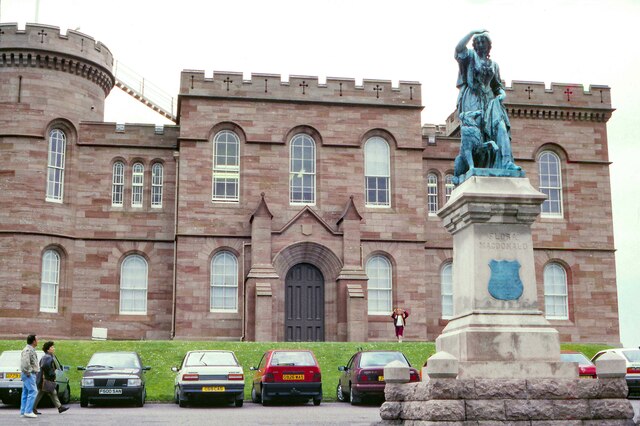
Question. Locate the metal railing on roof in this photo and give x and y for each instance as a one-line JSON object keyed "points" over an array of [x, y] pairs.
{"points": [[144, 91]]}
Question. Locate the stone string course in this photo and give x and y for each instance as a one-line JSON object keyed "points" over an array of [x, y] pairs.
{"points": [[508, 402]]}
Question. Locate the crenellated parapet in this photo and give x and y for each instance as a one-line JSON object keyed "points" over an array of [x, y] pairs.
{"points": [[43, 46], [561, 101], [300, 89]]}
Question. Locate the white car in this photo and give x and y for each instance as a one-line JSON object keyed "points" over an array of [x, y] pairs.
{"points": [[209, 375], [632, 356]]}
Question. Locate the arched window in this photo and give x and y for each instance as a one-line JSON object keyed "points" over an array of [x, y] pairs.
{"points": [[377, 172], [55, 168], [224, 282], [117, 188], [380, 284], [302, 170], [550, 183], [157, 176], [556, 304], [432, 193], [226, 167], [50, 281], [446, 290], [137, 185], [448, 187], [133, 285]]}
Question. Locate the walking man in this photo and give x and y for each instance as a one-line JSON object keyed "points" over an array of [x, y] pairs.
{"points": [[29, 368], [47, 378]]}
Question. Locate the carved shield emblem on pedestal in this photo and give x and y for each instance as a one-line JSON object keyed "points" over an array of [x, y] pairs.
{"points": [[505, 282]]}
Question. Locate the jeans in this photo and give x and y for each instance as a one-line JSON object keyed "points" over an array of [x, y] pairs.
{"points": [[29, 392]]}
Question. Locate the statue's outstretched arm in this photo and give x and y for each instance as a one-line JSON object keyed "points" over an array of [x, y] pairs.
{"points": [[462, 45]]}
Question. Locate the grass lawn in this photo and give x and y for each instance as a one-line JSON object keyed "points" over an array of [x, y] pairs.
{"points": [[162, 355]]}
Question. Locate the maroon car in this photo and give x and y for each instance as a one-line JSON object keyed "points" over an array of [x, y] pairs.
{"points": [[363, 376]]}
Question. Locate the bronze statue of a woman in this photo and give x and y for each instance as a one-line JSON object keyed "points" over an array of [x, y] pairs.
{"points": [[481, 95]]}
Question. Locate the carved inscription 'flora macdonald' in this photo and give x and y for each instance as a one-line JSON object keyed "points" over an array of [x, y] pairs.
{"points": [[503, 241]]}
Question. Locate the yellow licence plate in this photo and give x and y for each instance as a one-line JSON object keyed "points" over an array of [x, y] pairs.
{"points": [[381, 378], [293, 377], [213, 389], [12, 375]]}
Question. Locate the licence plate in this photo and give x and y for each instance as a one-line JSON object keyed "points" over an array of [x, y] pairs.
{"points": [[12, 375], [381, 378], [293, 377], [110, 391], [213, 389]]}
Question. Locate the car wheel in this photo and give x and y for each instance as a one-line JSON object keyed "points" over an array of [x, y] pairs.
{"points": [[239, 402], [340, 395], [84, 400], [254, 395], [263, 399], [176, 395], [317, 400], [141, 398], [354, 397]]}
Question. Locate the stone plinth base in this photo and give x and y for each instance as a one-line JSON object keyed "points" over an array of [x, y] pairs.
{"points": [[465, 402], [516, 370]]}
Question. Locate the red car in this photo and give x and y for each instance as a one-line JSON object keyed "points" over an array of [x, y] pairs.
{"points": [[586, 369], [287, 374], [364, 375]]}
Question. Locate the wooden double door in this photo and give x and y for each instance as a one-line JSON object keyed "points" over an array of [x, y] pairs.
{"points": [[304, 304]]}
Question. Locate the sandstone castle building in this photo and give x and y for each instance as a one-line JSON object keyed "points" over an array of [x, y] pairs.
{"points": [[271, 210]]}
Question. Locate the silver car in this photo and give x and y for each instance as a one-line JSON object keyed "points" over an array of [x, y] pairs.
{"points": [[11, 384], [209, 375]]}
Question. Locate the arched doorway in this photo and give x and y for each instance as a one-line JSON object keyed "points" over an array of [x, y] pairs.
{"points": [[304, 304]]}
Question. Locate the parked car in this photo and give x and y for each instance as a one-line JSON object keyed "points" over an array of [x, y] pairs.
{"points": [[363, 376], [113, 376], [209, 375], [586, 369], [287, 374], [632, 356], [11, 384]]}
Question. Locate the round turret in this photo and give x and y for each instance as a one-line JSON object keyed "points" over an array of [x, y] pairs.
{"points": [[46, 75]]}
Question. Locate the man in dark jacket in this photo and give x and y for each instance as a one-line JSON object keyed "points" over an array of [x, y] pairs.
{"points": [[48, 372]]}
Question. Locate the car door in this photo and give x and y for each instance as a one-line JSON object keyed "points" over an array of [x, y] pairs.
{"points": [[345, 377], [257, 374]]}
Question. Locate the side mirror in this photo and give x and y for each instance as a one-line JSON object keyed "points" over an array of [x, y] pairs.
{"points": [[253, 368], [342, 368], [80, 368], [174, 369], [65, 368], [146, 368]]}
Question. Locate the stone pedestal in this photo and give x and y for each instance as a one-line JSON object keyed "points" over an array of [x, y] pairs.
{"points": [[497, 329]]}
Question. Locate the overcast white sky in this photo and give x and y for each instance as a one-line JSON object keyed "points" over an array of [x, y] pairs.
{"points": [[581, 42]]}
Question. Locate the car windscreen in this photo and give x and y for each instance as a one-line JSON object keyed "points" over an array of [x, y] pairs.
{"points": [[292, 358], [380, 359], [579, 358], [113, 360], [632, 355], [196, 359]]}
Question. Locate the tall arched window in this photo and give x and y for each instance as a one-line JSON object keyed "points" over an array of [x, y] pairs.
{"points": [[137, 185], [117, 188], [380, 284], [556, 303], [550, 183], [446, 290], [133, 285], [55, 168], [157, 176], [432, 193], [50, 281], [224, 282], [377, 172], [302, 170], [226, 167], [448, 187]]}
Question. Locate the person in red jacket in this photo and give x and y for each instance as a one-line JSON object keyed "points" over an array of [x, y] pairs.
{"points": [[399, 317]]}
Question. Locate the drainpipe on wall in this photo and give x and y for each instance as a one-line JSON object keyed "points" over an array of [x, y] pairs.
{"points": [[176, 157], [244, 295]]}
